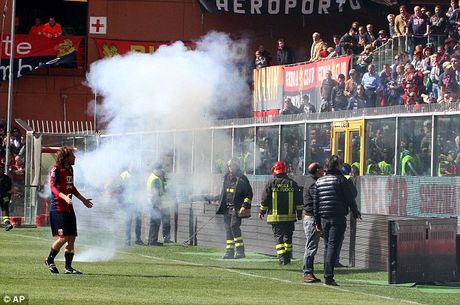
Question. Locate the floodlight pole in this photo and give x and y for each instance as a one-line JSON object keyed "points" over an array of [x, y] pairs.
{"points": [[10, 87]]}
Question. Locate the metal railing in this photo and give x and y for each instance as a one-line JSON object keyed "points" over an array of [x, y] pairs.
{"points": [[62, 127], [400, 110]]}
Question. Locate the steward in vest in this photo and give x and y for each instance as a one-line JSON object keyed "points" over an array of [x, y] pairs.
{"points": [[355, 169], [235, 204], [6, 189], [446, 165], [167, 203], [384, 165], [372, 167], [408, 167], [282, 202], [128, 189], [155, 189]]}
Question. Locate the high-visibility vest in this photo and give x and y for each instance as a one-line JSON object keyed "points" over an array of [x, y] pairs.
{"points": [[407, 158], [439, 167], [150, 181], [357, 165], [385, 168], [369, 168], [125, 175]]}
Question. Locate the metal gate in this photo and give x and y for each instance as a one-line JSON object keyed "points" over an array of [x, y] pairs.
{"points": [[422, 250]]}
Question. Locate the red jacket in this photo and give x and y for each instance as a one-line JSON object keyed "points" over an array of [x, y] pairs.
{"points": [[52, 31], [36, 30]]}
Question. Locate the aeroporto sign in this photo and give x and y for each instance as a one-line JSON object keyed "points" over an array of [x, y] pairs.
{"points": [[281, 7]]}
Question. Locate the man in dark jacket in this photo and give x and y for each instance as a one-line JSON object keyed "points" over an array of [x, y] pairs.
{"points": [[333, 197], [312, 235], [235, 204], [339, 100], [284, 54], [282, 202]]}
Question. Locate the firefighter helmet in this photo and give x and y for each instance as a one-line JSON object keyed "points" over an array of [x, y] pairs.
{"points": [[279, 168]]}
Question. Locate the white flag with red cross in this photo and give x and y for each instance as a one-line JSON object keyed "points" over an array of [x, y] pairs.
{"points": [[98, 25]]}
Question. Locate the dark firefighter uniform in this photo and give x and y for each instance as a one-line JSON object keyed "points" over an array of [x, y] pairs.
{"points": [[155, 187], [282, 202], [236, 197], [5, 198]]}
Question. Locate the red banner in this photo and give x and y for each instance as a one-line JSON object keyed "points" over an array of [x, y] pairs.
{"points": [[38, 46], [33, 52], [108, 47], [307, 76], [296, 80]]}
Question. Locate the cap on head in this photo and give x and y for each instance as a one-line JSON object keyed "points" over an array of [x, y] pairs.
{"points": [[278, 168], [346, 169], [157, 166], [234, 163]]}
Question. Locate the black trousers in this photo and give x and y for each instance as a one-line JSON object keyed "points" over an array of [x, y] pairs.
{"points": [[282, 232], [155, 222], [333, 232], [5, 210], [158, 217], [166, 223], [232, 225]]}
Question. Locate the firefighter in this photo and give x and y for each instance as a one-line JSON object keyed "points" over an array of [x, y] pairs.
{"points": [[282, 202], [155, 189], [235, 204]]}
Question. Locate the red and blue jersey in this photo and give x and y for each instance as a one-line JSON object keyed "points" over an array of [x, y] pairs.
{"points": [[61, 181]]}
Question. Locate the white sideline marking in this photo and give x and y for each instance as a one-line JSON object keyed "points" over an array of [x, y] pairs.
{"points": [[245, 273]]}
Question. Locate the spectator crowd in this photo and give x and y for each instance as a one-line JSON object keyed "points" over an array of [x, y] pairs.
{"points": [[425, 69]]}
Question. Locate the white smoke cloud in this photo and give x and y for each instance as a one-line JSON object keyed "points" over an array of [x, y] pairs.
{"points": [[174, 88]]}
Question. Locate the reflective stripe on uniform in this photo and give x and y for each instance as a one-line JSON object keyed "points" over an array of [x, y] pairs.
{"points": [[238, 241], [288, 247], [290, 202], [230, 244], [281, 218], [274, 203], [280, 249]]}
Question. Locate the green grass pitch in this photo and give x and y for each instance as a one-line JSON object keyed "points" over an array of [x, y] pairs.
{"points": [[176, 274]]}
